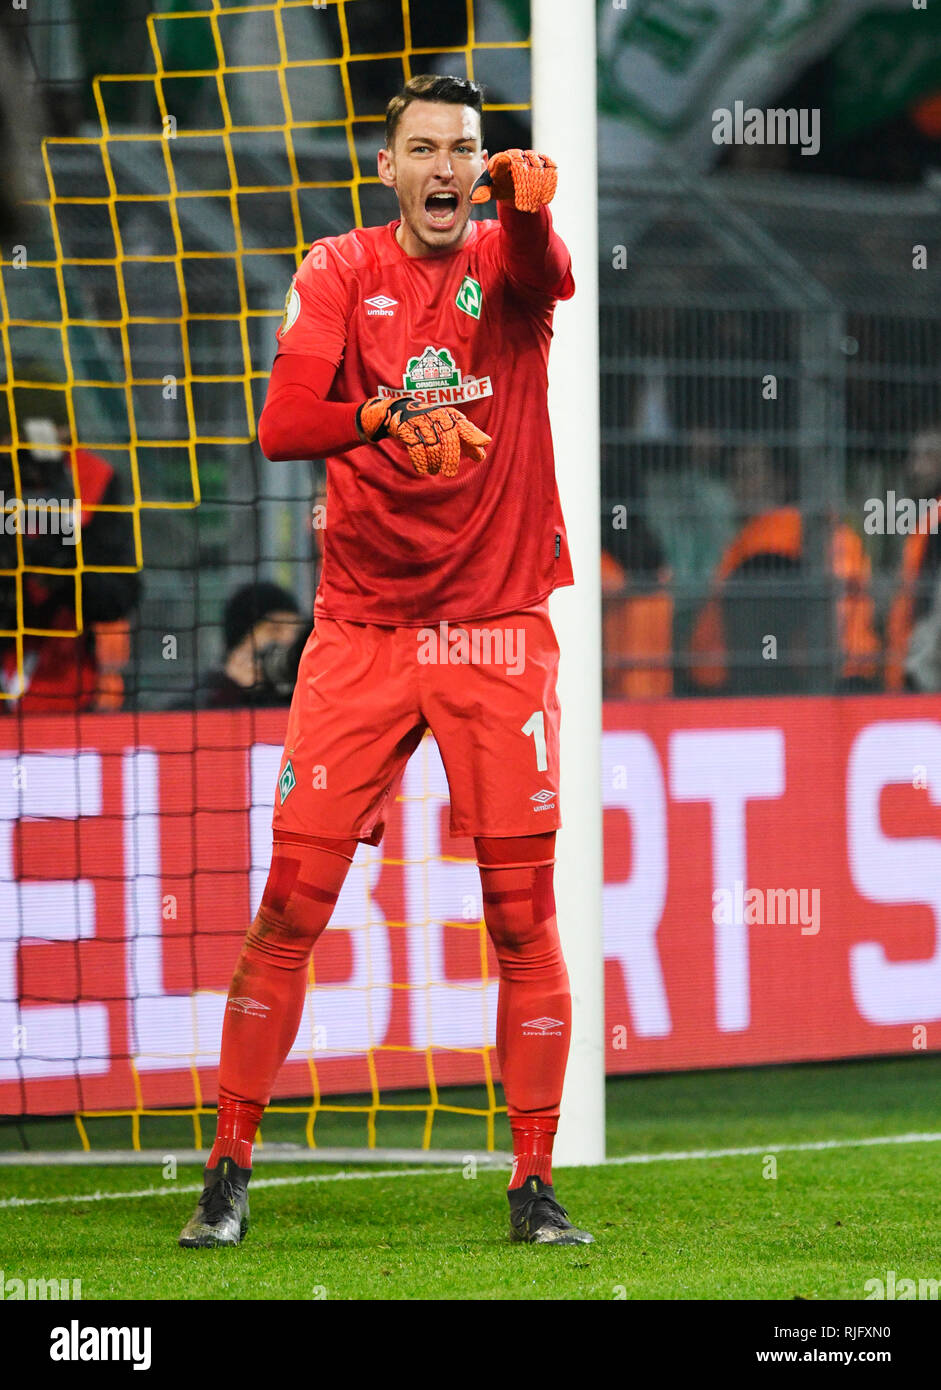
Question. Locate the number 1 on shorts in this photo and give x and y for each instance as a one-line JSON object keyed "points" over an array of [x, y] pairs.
{"points": [[536, 725]]}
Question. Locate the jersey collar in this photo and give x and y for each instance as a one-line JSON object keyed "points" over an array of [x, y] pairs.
{"points": [[444, 256]]}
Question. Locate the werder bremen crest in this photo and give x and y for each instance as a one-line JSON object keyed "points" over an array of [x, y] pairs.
{"points": [[470, 297], [286, 782]]}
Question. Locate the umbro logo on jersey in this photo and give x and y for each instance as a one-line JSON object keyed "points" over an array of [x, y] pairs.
{"points": [[544, 1026], [380, 306]]}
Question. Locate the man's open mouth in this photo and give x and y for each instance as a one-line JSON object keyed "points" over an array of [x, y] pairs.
{"points": [[441, 210]]}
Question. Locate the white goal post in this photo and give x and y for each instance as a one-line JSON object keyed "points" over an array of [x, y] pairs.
{"points": [[564, 100], [184, 1019]]}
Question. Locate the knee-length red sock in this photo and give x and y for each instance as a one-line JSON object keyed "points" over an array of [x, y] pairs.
{"points": [[534, 1009], [266, 997]]}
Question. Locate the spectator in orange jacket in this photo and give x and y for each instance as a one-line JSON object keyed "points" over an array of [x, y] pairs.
{"points": [[637, 613], [759, 605]]}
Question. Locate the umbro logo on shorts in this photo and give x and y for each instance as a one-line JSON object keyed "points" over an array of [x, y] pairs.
{"points": [[543, 1026], [545, 800], [380, 306]]}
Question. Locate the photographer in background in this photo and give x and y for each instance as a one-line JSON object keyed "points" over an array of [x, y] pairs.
{"points": [[73, 672], [264, 637]]}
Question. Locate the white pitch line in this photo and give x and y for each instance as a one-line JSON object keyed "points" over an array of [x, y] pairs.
{"points": [[810, 1146], [690, 1155], [171, 1190]]}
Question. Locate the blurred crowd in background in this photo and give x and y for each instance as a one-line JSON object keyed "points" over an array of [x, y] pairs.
{"points": [[756, 631], [752, 632]]}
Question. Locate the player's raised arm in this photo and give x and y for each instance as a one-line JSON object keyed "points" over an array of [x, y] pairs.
{"points": [[534, 255]]}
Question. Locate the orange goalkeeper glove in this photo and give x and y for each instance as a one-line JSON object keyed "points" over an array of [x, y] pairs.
{"points": [[436, 436], [526, 179]]}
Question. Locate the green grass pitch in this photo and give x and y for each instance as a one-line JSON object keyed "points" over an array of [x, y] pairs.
{"points": [[679, 1227]]}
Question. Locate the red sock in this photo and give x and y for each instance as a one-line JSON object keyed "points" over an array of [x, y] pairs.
{"points": [[266, 997], [235, 1131], [534, 1010], [532, 1149]]}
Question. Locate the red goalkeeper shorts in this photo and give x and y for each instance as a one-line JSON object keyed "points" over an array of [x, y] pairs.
{"points": [[365, 696]]}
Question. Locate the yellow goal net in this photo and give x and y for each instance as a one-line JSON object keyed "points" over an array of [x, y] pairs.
{"points": [[138, 314]]}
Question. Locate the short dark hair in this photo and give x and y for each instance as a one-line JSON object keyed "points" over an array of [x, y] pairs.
{"points": [[457, 91]]}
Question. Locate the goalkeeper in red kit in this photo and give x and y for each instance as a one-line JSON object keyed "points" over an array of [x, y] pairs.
{"points": [[413, 358]]}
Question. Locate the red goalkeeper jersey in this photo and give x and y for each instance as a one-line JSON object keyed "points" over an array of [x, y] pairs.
{"points": [[457, 329]]}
